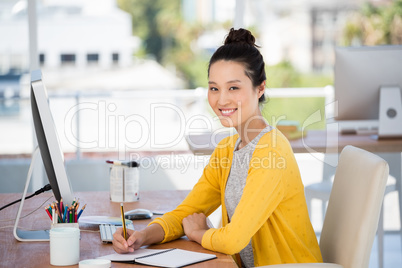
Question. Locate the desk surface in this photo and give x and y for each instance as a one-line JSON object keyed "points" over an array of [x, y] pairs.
{"points": [[36, 254], [315, 141]]}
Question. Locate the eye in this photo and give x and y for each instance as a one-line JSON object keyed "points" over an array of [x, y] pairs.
{"points": [[213, 89], [233, 88]]}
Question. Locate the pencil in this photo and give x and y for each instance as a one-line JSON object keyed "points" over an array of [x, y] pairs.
{"points": [[79, 214], [123, 221], [53, 215], [49, 209], [57, 205], [57, 209], [65, 213], [48, 213], [61, 207], [71, 214], [77, 205], [67, 216]]}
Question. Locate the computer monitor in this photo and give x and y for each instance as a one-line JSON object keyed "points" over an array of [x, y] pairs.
{"points": [[48, 140], [52, 156], [360, 72]]}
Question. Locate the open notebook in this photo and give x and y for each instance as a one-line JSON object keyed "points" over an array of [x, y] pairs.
{"points": [[161, 257]]}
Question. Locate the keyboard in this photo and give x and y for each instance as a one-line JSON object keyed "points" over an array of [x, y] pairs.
{"points": [[107, 231]]}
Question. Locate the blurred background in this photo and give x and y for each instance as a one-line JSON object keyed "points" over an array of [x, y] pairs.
{"points": [[127, 79]]}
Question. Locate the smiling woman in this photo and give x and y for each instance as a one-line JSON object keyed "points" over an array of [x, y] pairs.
{"points": [[253, 175], [234, 99]]}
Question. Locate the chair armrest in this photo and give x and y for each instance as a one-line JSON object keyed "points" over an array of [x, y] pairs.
{"points": [[304, 265]]}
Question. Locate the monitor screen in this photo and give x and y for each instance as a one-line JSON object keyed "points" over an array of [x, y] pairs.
{"points": [[48, 140], [360, 72]]}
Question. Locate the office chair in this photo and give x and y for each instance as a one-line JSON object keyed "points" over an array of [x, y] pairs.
{"points": [[322, 190], [353, 211]]}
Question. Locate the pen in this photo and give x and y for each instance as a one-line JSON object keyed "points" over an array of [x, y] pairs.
{"points": [[123, 221], [120, 163]]}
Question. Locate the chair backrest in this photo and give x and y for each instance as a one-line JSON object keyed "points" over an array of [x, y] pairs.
{"points": [[354, 206]]}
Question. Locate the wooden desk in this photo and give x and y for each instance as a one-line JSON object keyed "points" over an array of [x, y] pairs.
{"points": [[36, 254], [315, 141]]}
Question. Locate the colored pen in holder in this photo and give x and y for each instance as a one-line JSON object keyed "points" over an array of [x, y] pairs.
{"points": [[62, 214]]}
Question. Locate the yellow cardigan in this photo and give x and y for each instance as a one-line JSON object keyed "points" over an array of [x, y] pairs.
{"points": [[272, 211]]}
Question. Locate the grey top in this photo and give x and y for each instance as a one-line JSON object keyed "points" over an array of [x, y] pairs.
{"points": [[235, 185]]}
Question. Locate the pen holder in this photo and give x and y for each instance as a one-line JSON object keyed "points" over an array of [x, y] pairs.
{"points": [[64, 246], [124, 184]]}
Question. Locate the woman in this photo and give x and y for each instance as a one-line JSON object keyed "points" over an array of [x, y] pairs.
{"points": [[253, 175]]}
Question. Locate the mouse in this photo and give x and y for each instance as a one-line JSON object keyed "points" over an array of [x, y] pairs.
{"points": [[138, 214]]}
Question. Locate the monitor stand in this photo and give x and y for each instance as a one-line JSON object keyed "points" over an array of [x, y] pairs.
{"points": [[390, 113], [27, 235]]}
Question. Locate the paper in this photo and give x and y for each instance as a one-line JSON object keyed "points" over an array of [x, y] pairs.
{"points": [[161, 257]]}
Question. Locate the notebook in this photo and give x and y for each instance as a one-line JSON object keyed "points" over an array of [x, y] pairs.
{"points": [[161, 257]]}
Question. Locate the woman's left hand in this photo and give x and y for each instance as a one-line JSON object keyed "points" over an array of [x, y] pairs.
{"points": [[195, 226]]}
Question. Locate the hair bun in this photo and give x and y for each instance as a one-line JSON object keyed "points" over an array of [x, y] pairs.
{"points": [[241, 36]]}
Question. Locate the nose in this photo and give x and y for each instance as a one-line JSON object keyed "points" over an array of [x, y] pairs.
{"points": [[223, 98]]}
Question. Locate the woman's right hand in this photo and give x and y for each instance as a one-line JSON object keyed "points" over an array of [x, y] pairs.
{"points": [[134, 241]]}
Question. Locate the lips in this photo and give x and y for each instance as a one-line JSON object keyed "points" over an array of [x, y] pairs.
{"points": [[228, 112]]}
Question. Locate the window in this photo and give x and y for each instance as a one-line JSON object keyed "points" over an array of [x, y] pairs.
{"points": [[67, 59], [41, 59], [115, 58], [92, 58]]}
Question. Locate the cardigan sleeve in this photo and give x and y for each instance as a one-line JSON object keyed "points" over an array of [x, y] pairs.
{"points": [[205, 197], [263, 192]]}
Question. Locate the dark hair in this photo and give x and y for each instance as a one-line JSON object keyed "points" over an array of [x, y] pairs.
{"points": [[240, 46]]}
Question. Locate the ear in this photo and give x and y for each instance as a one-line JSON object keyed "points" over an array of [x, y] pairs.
{"points": [[261, 89]]}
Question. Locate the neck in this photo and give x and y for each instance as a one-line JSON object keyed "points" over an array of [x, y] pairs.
{"points": [[248, 132]]}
